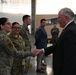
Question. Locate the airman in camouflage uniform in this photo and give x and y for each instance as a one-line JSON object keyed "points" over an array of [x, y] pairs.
{"points": [[54, 33], [7, 49], [26, 36], [18, 64]]}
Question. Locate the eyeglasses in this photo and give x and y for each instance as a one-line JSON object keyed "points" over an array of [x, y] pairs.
{"points": [[8, 23], [16, 27]]}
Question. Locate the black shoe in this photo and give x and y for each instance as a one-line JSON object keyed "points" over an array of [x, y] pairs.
{"points": [[40, 71], [43, 68]]}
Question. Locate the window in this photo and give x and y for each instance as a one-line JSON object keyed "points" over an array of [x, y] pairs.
{"points": [[50, 21]]}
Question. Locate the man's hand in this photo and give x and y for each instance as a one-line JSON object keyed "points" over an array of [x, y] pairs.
{"points": [[36, 51]]}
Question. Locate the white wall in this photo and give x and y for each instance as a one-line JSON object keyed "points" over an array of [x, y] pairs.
{"points": [[53, 6], [13, 17]]}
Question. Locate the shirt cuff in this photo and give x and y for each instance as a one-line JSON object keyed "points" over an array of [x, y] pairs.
{"points": [[43, 50]]}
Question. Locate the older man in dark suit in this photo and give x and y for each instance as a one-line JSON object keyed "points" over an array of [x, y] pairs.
{"points": [[64, 51], [41, 42]]}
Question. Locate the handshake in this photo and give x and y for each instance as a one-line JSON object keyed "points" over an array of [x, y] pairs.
{"points": [[35, 52]]}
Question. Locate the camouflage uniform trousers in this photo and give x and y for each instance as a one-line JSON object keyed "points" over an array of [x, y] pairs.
{"points": [[18, 70], [27, 63], [5, 71]]}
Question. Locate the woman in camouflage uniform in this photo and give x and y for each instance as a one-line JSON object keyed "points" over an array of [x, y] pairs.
{"points": [[7, 49], [18, 64]]}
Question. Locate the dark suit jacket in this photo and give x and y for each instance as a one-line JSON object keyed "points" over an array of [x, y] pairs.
{"points": [[41, 38], [64, 52]]}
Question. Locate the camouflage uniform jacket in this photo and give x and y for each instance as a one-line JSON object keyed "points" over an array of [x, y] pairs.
{"points": [[20, 46], [26, 36], [8, 51]]}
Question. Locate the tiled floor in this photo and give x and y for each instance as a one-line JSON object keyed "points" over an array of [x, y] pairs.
{"points": [[32, 70], [48, 70]]}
